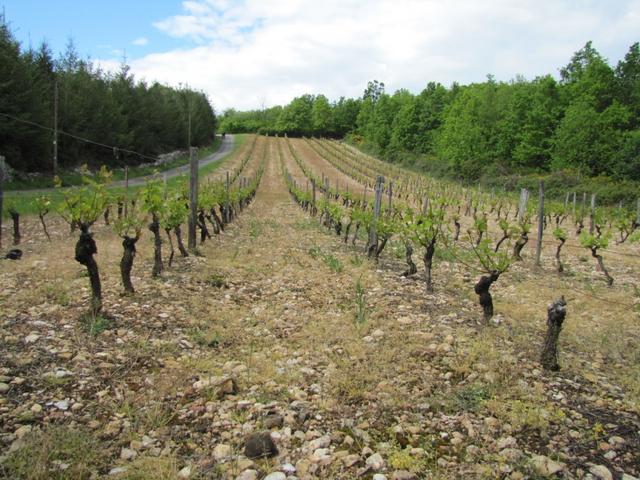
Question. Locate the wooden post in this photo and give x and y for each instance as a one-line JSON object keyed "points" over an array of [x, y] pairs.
{"points": [[524, 198], [226, 199], [592, 214], [574, 205], [566, 200], [540, 223], [390, 195], [377, 204], [425, 204], [637, 213], [2, 168], [55, 127], [126, 190], [313, 197], [193, 198]]}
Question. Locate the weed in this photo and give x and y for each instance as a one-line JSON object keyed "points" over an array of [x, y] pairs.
{"points": [[333, 263], [205, 338], [357, 260], [402, 459], [255, 229], [158, 468], [525, 414], [95, 324], [55, 293], [216, 280], [471, 397], [156, 416]]}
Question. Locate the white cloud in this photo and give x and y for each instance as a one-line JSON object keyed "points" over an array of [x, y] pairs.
{"points": [[140, 42], [253, 53]]}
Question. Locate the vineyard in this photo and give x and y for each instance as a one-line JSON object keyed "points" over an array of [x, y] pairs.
{"points": [[338, 317]]}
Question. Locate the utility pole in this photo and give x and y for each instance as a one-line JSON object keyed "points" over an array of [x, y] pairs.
{"points": [[2, 168], [55, 126]]}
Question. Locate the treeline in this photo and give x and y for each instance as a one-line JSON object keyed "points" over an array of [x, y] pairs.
{"points": [[110, 109], [586, 123]]}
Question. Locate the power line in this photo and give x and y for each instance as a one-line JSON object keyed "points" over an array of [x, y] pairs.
{"points": [[76, 137]]}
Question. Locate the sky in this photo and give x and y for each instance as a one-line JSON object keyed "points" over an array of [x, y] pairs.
{"points": [[251, 54]]}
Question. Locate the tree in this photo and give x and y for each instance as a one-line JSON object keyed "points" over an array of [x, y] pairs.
{"points": [[374, 90], [627, 75], [321, 117], [587, 140], [589, 78]]}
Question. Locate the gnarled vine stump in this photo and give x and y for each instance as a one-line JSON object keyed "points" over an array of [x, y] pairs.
{"points": [[556, 314]]}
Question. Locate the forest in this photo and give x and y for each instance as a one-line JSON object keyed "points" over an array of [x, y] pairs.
{"points": [[102, 117], [584, 125]]}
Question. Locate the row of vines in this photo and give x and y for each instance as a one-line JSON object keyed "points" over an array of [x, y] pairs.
{"points": [[158, 207], [484, 232]]}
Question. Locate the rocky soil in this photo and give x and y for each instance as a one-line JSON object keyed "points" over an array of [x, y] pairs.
{"points": [[282, 353]]}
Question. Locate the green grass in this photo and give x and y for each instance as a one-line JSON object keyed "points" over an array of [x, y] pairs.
{"points": [[72, 178], [56, 453], [23, 199]]}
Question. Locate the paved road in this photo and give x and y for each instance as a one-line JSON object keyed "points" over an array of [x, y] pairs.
{"points": [[225, 148]]}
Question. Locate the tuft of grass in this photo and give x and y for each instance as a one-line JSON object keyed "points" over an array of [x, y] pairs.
{"points": [[402, 459], [56, 453], [471, 398], [204, 338], [216, 280], [526, 414], [357, 260], [55, 293], [95, 324], [333, 263], [255, 228], [330, 260], [144, 468]]}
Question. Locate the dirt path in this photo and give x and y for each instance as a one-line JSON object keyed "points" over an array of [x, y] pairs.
{"points": [[320, 166]]}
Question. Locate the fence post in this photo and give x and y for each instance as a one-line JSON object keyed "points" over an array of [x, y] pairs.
{"points": [[2, 168], [574, 205], [126, 190], [227, 213], [390, 195], [522, 208], [373, 235], [193, 198], [637, 213], [592, 214], [313, 198], [540, 223]]}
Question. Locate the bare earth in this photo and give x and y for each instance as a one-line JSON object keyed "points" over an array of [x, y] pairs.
{"points": [[418, 389]]}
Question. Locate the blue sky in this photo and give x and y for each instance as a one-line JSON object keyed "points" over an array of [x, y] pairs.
{"points": [[100, 29], [254, 53]]}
